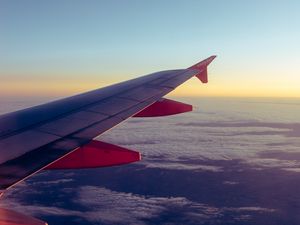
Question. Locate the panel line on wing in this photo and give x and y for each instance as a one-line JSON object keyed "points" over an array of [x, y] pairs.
{"points": [[17, 145], [71, 123]]}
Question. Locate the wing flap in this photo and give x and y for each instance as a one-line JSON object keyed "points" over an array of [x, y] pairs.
{"points": [[23, 142], [112, 106], [179, 79], [143, 93], [72, 123]]}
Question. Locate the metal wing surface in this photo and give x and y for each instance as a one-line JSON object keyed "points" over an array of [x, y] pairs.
{"points": [[33, 138]]}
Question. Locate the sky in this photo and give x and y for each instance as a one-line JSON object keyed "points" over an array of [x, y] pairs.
{"points": [[59, 48]]}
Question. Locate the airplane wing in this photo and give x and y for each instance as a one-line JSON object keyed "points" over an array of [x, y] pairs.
{"points": [[59, 134]]}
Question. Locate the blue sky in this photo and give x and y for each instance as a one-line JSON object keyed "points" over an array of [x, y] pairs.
{"points": [[62, 47]]}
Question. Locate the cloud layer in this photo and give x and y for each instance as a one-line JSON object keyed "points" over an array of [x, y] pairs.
{"points": [[237, 165]]}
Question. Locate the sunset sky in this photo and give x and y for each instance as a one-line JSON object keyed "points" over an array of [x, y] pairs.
{"points": [[59, 48]]}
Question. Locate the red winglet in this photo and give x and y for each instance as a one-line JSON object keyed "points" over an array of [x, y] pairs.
{"points": [[96, 154], [164, 107], [202, 67]]}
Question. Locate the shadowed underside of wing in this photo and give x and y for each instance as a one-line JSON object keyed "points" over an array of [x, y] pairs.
{"points": [[33, 138]]}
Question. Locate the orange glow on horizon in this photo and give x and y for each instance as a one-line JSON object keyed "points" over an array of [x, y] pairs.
{"points": [[192, 88], [222, 83]]}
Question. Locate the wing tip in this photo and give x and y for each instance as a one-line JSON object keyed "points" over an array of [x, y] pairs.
{"points": [[204, 63], [202, 67]]}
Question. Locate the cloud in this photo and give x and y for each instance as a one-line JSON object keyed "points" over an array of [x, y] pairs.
{"points": [[51, 182], [229, 147], [250, 209], [227, 182], [110, 207], [104, 206], [183, 166], [295, 169], [288, 129], [168, 141], [117, 207], [273, 163]]}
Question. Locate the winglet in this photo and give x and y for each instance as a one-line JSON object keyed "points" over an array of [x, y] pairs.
{"points": [[202, 67]]}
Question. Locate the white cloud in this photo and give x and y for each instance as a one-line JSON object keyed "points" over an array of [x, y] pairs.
{"points": [[227, 182], [102, 205], [169, 139], [59, 181], [295, 169], [118, 207], [182, 166], [250, 209]]}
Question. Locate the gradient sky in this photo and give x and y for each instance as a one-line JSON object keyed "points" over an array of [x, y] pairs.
{"points": [[58, 48]]}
